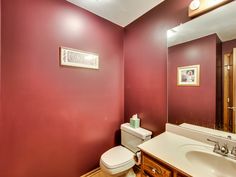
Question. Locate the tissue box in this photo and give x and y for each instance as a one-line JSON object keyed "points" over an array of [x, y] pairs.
{"points": [[134, 123]]}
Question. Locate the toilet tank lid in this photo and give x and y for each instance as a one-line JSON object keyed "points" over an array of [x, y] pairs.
{"points": [[139, 132]]}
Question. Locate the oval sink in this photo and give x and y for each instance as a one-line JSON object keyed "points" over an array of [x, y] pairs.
{"points": [[210, 164]]}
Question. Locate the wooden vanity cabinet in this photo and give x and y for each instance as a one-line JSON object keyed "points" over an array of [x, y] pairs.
{"points": [[152, 167]]}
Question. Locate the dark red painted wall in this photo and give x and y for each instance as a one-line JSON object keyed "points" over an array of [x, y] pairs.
{"points": [[196, 105], [57, 121], [0, 47], [0, 61], [228, 46], [145, 54], [219, 86]]}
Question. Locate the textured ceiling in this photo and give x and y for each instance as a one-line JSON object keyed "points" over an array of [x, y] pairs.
{"points": [[120, 12]]}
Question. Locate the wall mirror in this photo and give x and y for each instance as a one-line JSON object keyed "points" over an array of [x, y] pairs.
{"points": [[201, 70]]}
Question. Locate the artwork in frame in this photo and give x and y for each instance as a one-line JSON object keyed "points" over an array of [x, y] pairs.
{"points": [[188, 75], [77, 58]]}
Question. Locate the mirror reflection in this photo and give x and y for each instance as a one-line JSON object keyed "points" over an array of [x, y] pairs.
{"points": [[202, 70]]}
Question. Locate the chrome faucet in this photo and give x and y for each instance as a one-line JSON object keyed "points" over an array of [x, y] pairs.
{"points": [[223, 150], [233, 151], [217, 145]]}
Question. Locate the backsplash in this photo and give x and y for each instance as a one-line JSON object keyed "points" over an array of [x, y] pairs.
{"points": [[199, 135]]}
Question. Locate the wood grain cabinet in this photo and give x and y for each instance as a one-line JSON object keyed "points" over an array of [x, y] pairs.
{"points": [[152, 167]]}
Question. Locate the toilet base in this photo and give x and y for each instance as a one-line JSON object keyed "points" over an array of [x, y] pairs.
{"points": [[130, 173]]}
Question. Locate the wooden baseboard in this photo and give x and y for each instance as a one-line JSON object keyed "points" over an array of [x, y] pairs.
{"points": [[92, 173]]}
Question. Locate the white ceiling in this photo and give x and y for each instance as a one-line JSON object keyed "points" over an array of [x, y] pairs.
{"points": [[120, 12], [221, 21]]}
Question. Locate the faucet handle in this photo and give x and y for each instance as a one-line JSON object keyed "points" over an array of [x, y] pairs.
{"points": [[217, 144], [233, 151], [224, 149]]}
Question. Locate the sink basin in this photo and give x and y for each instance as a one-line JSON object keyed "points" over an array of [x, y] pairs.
{"points": [[214, 165], [206, 163]]}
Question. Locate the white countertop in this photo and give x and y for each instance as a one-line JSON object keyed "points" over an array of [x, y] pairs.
{"points": [[167, 147]]}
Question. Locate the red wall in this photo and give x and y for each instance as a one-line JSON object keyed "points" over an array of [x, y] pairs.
{"points": [[1, 135], [196, 105], [228, 46], [51, 126], [0, 61], [145, 54], [57, 121]]}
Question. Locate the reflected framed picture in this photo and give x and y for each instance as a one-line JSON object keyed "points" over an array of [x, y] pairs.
{"points": [[78, 58], [188, 75]]}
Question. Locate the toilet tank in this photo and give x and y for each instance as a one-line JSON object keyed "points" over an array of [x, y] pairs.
{"points": [[132, 137]]}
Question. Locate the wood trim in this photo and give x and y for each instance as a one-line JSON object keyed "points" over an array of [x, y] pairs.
{"points": [[92, 173], [234, 90], [226, 93]]}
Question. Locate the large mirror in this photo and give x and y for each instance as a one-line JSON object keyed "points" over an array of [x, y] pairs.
{"points": [[202, 70]]}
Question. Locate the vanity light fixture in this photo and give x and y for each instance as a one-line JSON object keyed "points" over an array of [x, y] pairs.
{"points": [[195, 4], [215, 2], [199, 7]]}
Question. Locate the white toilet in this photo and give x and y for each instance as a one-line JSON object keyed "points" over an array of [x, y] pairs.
{"points": [[118, 161]]}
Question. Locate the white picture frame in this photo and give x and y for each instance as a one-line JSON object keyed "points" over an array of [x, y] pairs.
{"points": [[188, 75], [77, 58]]}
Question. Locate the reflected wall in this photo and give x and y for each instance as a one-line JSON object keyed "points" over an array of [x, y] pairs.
{"points": [[194, 105]]}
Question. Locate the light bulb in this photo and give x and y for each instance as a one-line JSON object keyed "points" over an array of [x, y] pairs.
{"points": [[195, 4]]}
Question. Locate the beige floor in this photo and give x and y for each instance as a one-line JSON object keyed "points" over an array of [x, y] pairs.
{"points": [[98, 173]]}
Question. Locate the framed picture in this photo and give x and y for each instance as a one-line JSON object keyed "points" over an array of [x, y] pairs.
{"points": [[188, 75], [77, 58]]}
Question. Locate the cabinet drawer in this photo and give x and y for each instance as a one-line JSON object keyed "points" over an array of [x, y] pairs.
{"points": [[155, 169]]}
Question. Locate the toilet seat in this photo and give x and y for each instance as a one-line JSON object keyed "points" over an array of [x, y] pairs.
{"points": [[117, 157], [117, 160]]}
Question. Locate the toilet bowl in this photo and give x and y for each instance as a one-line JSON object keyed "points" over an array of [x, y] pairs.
{"points": [[118, 161]]}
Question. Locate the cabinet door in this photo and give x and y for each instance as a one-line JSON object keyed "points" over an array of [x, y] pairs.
{"points": [[152, 168]]}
